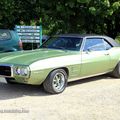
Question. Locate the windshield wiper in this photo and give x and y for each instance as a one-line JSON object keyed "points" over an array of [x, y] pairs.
{"points": [[57, 47], [43, 46]]}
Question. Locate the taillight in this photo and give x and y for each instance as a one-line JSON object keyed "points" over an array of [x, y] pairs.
{"points": [[20, 44]]}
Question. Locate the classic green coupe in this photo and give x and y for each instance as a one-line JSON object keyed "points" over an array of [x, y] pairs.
{"points": [[61, 59]]}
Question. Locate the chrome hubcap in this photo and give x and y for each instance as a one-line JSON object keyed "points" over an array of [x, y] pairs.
{"points": [[58, 81]]}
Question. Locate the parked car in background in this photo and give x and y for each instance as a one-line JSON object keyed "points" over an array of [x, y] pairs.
{"points": [[44, 38], [9, 41], [61, 59]]}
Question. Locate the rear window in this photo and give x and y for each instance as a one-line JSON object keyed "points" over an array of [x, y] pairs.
{"points": [[5, 35]]}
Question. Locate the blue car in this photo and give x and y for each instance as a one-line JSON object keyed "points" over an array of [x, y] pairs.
{"points": [[9, 41]]}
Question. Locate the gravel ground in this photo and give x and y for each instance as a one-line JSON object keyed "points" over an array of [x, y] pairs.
{"points": [[95, 98]]}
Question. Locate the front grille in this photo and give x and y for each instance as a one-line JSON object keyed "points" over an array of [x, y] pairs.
{"points": [[5, 70]]}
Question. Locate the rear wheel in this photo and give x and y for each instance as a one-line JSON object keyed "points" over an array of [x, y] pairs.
{"points": [[116, 71], [56, 81]]}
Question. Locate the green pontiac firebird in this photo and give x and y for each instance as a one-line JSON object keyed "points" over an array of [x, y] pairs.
{"points": [[61, 59]]}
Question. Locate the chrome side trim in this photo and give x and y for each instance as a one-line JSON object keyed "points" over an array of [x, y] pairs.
{"points": [[74, 79], [12, 71], [9, 65], [6, 76]]}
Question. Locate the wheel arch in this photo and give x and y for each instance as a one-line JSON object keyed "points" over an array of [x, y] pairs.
{"points": [[64, 68]]}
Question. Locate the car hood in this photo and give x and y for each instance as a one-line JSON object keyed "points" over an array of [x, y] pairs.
{"points": [[28, 57]]}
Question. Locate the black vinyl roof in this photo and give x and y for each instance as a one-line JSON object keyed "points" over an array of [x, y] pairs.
{"points": [[109, 39]]}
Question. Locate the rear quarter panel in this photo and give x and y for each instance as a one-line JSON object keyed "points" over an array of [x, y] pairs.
{"points": [[115, 56]]}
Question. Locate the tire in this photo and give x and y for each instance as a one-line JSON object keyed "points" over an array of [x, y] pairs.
{"points": [[116, 71], [56, 81], [9, 81]]}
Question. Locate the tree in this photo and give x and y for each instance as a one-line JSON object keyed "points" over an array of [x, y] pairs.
{"points": [[66, 16], [83, 16]]}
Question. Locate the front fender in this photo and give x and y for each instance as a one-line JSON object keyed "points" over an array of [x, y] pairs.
{"points": [[38, 77]]}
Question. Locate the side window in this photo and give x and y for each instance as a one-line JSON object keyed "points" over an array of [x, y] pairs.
{"points": [[107, 45], [94, 44]]}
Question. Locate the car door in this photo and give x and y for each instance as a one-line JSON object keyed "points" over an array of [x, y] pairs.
{"points": [[95, 57]]}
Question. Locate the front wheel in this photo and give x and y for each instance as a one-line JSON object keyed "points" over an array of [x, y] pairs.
{"points": [[56, 81]]}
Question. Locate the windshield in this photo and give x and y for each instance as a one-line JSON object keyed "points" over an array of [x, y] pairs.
{"points": [[4, 35], [65, 43]]}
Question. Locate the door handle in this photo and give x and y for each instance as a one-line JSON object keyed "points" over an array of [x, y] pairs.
{"points": [[106, 54]]}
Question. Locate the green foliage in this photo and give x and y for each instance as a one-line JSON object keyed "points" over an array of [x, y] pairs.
{"points": [[92, 10], [117, 39], [116, 5], [106, 3], [83, 1], [68, 16]]}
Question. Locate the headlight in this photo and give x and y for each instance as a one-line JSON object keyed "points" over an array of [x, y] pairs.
{"points": [[22, 71], [17, 71]]}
